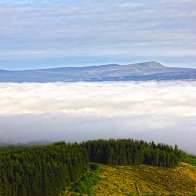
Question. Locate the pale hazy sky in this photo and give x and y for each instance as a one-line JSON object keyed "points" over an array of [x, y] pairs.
{"points": [[41, 33], [159, 111]]}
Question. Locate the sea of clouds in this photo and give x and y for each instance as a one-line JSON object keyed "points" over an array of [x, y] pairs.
{"points": [[159, 111]]}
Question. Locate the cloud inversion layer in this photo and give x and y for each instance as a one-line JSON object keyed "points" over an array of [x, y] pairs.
{"points": [[160, 111], [100, 99]]}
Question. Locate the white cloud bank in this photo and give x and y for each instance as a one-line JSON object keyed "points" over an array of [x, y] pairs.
{"points": [[159, 111]]}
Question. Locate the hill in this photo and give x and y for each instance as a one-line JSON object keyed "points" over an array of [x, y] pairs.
{"points": [[54, 169], [113, 72]]}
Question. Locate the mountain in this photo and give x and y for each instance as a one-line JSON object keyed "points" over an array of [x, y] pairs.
{"points": [[112, 72]]}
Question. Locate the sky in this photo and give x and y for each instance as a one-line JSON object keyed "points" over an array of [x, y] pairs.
{"points": [[41, 33], [159, 111]]}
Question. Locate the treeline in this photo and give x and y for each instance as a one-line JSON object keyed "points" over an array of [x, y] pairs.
{"points": [[128, 151], [39, 171]]}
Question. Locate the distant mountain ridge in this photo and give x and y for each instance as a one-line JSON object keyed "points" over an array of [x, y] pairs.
{"points": [[144, 71]]}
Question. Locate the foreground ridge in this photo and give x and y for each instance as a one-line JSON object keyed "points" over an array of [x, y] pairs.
{"points": [[51, 169]]}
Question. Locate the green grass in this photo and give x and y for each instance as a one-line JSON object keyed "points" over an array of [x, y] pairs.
{"points": [[89, 180]]}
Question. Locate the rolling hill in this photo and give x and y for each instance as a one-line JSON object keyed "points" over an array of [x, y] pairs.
{"points": [[112, 72]]}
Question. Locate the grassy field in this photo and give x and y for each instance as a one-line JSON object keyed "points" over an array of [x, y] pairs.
{"points": [[146, 180]]}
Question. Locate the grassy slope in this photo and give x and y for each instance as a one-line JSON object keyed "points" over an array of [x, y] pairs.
{"points": [[128, 180]]}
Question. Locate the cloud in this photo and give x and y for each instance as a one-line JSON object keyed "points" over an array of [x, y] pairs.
{"points": [[115, 99], [97, 28], [159, 111]]}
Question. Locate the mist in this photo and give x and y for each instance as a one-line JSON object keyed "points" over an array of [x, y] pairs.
{"points": [[158, 111]]}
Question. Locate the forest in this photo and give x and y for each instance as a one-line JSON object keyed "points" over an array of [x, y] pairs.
{"points": [[128, 152], [45, 170], [51, 169]]}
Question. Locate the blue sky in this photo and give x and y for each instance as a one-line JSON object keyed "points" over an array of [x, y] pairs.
{"points": [[41, 33]]}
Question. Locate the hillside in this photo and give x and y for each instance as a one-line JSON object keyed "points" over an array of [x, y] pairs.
{"points": [[112, 72], [145, 180]]}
